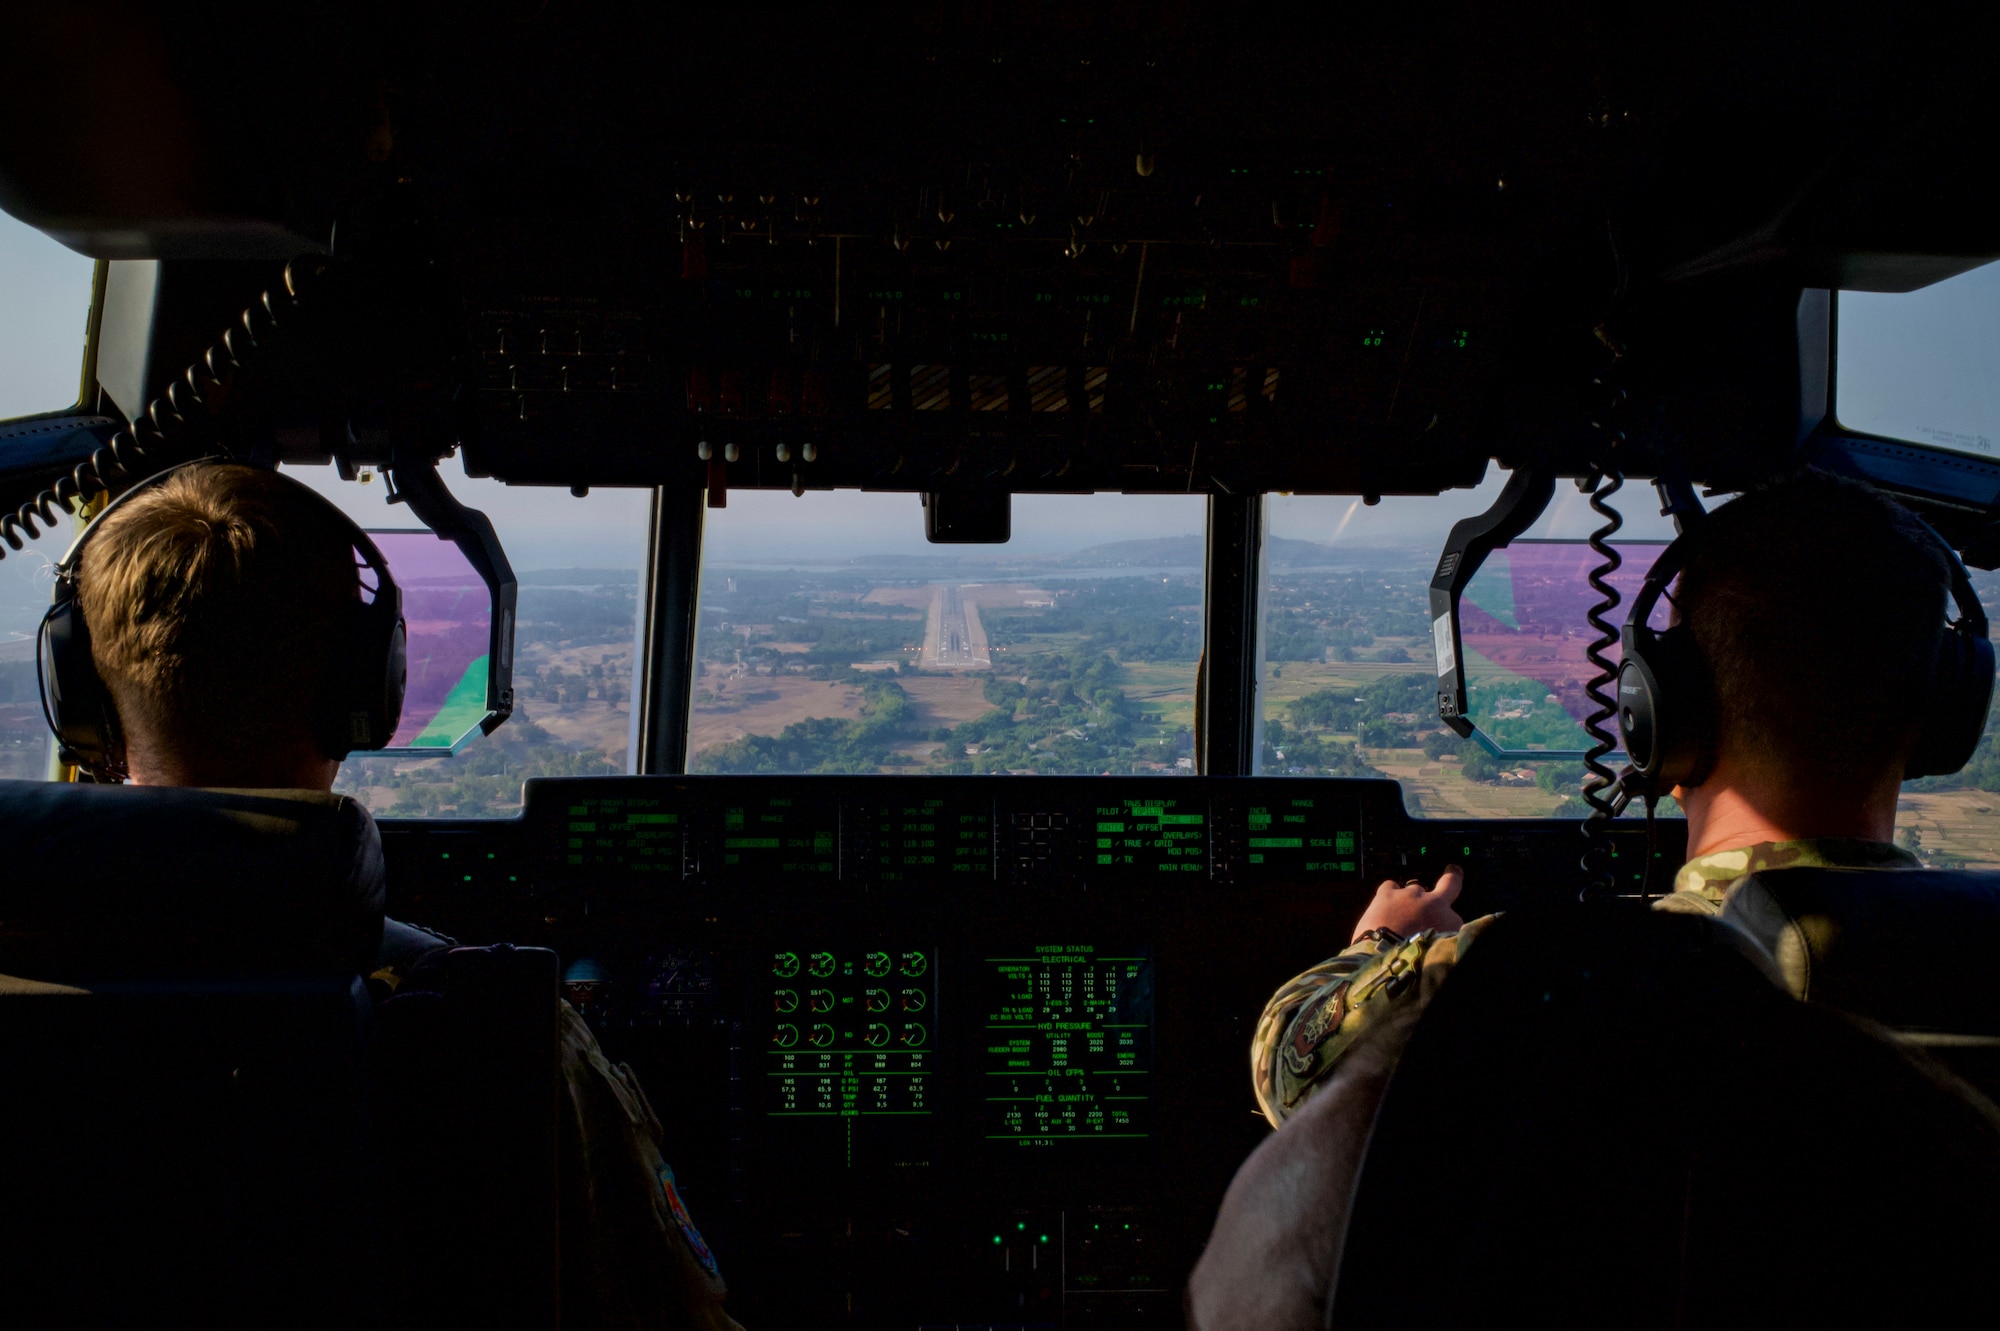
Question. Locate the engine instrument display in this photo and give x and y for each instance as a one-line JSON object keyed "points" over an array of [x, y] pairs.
{"points": [[1069, 1047], [781, 837], [1150, 835], [1311, 836], [853, 1053]]}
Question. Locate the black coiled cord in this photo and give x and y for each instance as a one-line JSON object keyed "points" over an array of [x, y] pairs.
{"points": [[1599, 778], [167, 432]]}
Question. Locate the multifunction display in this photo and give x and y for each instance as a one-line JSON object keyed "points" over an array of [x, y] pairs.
{"points": [[781, 837], [921, 838], [1151, 835], [1068, 1046], [635, 834], [1310, 836], [852, 1053]]}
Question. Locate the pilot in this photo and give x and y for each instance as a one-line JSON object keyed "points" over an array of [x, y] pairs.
{"points": [[1816, 604], [209, 598]]}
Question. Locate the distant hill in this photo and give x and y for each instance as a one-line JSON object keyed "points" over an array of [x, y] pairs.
{"points": [[577, 577]]}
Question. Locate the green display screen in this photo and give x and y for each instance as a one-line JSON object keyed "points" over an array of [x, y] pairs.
{"points": [[1307, 836], [852, 1053], [629, 834], [1150, 836], [913, 840], [782, 837], [1068, 1052]]}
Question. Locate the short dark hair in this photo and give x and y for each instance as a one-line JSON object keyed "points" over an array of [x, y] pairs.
{"points": [[212, 601], [1818, 604]]}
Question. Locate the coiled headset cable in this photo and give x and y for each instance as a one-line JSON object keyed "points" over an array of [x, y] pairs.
{"points": [[171, 429]]}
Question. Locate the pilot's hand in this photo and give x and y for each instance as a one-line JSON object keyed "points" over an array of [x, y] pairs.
{"points": [[1410, 908]]}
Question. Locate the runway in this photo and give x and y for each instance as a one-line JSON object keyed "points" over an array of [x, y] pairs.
{"points": [[953, 636]]}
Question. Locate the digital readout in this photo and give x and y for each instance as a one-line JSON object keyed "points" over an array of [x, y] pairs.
{"points": [[635, 835], [916, 839], [1069, 1045], [1156, 835], [781, 836], [852, 1052], [1308, 835]]}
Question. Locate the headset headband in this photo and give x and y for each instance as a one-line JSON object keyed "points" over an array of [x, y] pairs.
{"points": [[66, 567], [1674, 559]]}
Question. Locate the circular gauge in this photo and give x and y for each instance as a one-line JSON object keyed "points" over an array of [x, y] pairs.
{"points": [[821, 965], [915, 964], [821, 1037], [914, 1034], [915, 1000], [786, 965], [786, 1000], [679, 984], [876, 1000], [822, 1000], [877, 965], [877, 1036], [785, 1036]]}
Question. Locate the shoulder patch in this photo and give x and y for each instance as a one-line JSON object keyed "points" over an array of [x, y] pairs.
{"points": [[678, 1209], [1322, 1017]]}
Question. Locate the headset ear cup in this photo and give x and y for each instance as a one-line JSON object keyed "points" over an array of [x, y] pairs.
{"points": [[394, 681], [75, 701], [1961, 697], [1665, 710]]}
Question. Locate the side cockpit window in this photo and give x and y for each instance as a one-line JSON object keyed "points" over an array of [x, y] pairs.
{"points": [[44, 317]]}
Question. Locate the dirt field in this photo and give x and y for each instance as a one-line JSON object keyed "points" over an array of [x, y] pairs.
{"points": [[764, 705], [949, 701], [1957, 822]]}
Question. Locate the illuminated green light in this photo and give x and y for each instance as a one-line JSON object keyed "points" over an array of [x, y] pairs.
{"points": [[996, 1238], [1045, 1238], [1020, 1224]]}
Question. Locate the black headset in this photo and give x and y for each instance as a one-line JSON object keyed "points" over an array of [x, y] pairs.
{"points": [[1666, 697], [364, 698]]}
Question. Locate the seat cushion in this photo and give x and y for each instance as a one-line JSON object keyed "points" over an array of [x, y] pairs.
{"points": [[133, 883]]}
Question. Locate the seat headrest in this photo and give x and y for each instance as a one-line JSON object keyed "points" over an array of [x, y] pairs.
{"points": [[1912, 949], [135, 883]]}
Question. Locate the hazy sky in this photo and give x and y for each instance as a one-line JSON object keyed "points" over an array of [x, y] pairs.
{"points": [[44, 313]]}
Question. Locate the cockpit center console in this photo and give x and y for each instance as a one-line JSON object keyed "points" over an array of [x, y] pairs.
{"points": [[960, 1051]]}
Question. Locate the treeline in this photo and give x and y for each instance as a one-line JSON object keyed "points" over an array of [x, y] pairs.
{"points": [[1062, 714], [748, 611], [577, 615], [1392, 712], [1315, 615], [482, 781], [1134, 619], [826, 744]]}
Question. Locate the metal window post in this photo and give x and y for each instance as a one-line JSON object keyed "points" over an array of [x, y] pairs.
{"points": [[672, 597], [1229, 681]]}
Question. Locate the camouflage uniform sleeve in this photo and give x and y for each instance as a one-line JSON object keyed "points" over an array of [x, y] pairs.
{"points": [[632, 1257], [1318, 1016]]}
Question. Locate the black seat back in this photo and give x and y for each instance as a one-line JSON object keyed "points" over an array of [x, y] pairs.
{"points": [[1619, 1119], [1913, 950], [189, 1154], [467, 1066], [184, 1135]]}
